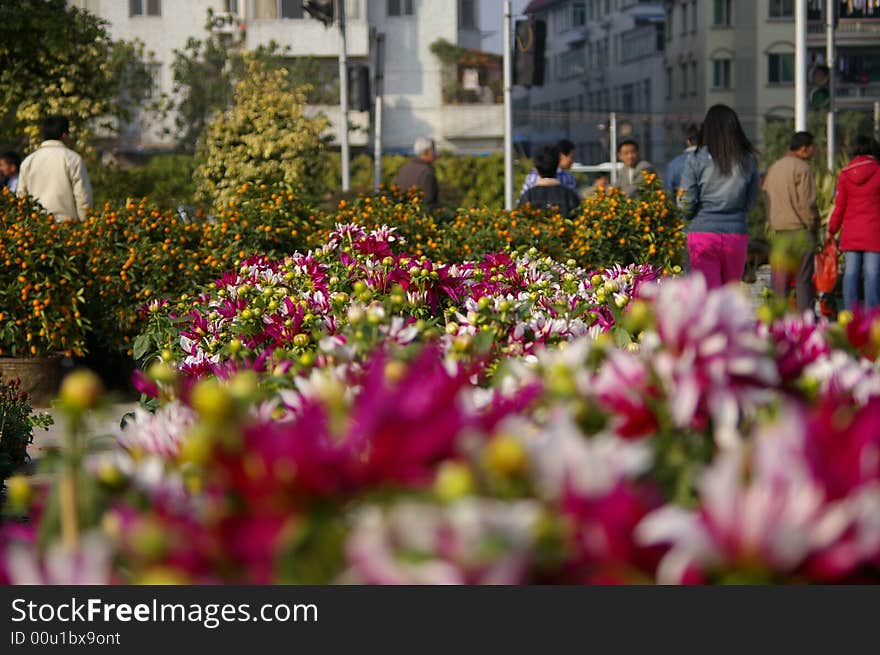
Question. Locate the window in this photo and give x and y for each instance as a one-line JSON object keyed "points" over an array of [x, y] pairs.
{"points": [[670, 15], [272, 9], [400, 7], [694, 16], [694, 78], [684, 80], [231, 6], [290, 9], [781, 8], [780, 68], [154, 88], [579, 13], [627, 98], [640, 42], [720, 74], [722, 16], [144, 7], [572, 63], [467, 14], [561, 19], [669, 83], [684, 19]]}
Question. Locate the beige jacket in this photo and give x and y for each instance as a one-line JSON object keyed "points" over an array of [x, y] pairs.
{"points": [[630, 178], [790, 195], [56, 176]]}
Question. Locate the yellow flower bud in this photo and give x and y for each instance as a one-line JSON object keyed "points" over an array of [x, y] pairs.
{"points": [[81, 390], [454, 480]]}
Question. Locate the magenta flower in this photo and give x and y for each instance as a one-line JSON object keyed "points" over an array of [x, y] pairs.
{"points": [[623, 389], [776, 512], [799, 342], [472, 541], [707, 355]]}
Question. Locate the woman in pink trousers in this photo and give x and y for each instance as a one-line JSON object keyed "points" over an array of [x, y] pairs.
{"points": [[719, 186]]}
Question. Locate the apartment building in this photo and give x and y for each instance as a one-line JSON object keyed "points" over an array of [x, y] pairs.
{"points": [[601, 56], [741, 53], [414, 102]]}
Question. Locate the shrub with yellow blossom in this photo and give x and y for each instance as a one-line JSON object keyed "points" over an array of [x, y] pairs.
{"points": [[266, 136], [613, 228]]}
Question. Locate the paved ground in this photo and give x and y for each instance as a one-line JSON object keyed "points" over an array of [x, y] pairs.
{"points": [[757, 287], [99, 424]]}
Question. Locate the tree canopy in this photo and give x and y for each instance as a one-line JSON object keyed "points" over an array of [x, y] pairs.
{"points": [[59, 59]]}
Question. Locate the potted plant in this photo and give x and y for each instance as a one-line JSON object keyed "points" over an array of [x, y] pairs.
{"points": [[40, 297]]}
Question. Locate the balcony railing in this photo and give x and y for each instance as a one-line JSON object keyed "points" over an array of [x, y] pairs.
{"points": [[870, 91], [849, 27]]}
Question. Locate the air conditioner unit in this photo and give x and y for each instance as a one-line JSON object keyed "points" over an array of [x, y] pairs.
{"points": [[224, 22]]}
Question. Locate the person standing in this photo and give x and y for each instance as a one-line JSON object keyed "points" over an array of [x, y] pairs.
{"points": [[719, 186], [55, 175], [419, 172], [633, 166], [674, 169], [600, 183], [549, 192], [566, 161], [790, 197], [857, 213], [10, 164]]}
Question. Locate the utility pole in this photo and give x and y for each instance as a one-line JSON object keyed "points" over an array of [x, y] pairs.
{"points": [[877, 119], [378, 77], [508, 108], [343, 96], [612, 145], [831, 61], [800, 66]]}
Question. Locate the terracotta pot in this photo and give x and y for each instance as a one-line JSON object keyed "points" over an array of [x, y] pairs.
{"points": [[40, 376]]}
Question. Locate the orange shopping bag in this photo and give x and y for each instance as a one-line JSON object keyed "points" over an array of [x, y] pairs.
{"points": [[825, 276]]}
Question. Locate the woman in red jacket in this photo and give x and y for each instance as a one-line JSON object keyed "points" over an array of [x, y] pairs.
{"points": [[857, 210]]}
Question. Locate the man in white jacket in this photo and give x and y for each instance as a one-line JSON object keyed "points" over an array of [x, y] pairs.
{"points": [[55, 175]]}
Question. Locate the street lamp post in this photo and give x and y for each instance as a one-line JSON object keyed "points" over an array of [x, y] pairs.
{"points": [[508, 108], [343, 96], [831, 58], [800, 66]]}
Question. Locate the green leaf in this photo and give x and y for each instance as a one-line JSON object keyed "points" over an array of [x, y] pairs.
{"points": [[142, 344]]}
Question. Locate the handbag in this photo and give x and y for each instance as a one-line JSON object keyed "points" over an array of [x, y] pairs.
{"points": [[827, 263]]}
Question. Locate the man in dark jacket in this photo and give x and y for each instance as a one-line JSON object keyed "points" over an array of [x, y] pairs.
{"points": [[549, 192], [419, 172]]}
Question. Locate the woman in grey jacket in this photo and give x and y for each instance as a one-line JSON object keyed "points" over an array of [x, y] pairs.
{"points": [[719, 186]]}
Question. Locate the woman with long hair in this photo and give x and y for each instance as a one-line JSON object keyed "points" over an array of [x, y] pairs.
{"points": [[719, 186], [857, 211]]}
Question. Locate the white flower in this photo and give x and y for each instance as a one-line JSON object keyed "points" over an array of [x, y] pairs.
{"points": [[90, 564]]}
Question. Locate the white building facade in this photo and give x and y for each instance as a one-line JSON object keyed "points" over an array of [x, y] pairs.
{"points": [[742, 53], [602, 56], [413, 98]]}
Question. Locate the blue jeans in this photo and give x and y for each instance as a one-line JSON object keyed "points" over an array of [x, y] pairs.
{"points": [[858, 262]]}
